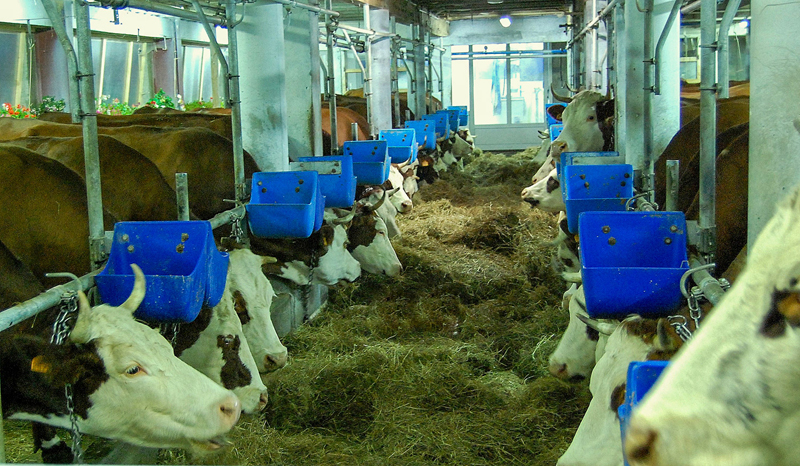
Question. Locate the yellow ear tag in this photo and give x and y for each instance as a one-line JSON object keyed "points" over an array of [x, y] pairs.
{"points": [[577, 240], [325, 241], [38, 365], [425, 163]]}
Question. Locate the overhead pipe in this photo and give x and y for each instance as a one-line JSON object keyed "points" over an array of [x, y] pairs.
{"points": [[330, 28], [594, 22], [708, 129], [662, 40], [212, 39], [723, 80], [691, 7], [57, 21], [305, 6], [157, 7], [235, 103]]}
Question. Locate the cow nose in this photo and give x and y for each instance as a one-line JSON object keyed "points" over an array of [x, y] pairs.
{"points": [[558, 370], [532, 202], [276, 360], [407, 205], [640, 443], [230, 410], [262, 401]]}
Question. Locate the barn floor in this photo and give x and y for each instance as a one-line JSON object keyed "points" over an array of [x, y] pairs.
{"points": [[446, 364]]}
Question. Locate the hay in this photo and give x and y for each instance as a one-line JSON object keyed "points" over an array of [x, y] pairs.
{"points": [[443, 365]]}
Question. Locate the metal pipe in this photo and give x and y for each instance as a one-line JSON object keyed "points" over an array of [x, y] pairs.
{"points": [[691, 7], [594, 22], [368, 73], [157, 7], [673, 183], [723, 80], [709, 285], [312, 8], [662, 40], [368, 32], [224, 218], [354, 131], [16, 314], [647, 104], [94, 194], [235, 104], [182, 195], [413, 82], [708, 129], [395, 77], [57, 21], [330, 28], [212, 39]]}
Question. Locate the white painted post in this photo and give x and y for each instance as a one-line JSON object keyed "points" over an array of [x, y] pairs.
{"points": [[302, 84], [381, 72]]}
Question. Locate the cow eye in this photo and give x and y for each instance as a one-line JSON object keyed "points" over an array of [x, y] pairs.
{"points": [[591, 118], [134, 370]]}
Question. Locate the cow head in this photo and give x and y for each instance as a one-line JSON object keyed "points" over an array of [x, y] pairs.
{"points": [[399, 198], [128, 385], [252, 299], [730, 397], [425, 171], [372, 196], [369, 240], [545, 194]]}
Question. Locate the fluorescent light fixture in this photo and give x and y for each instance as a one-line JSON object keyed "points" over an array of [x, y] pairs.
{"points": [[744, 24], [494, 2], [505, 21]]}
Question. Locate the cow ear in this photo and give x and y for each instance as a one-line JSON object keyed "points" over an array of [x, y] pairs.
{"points": [[326, 235], [665, 339]]}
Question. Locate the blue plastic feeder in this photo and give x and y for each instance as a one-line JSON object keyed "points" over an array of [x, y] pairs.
{"points": [[182, 266], [402, 144], [425, 132], [452, 118], [339, 189], [555, 130], [442, 123], [371, 163], [285, 204], [463, 114], [632, 262], [642, 375], [595, 188], [587, 158]]}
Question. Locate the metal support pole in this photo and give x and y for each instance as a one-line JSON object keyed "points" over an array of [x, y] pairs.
{"points": [[94, 195], [354, 131], [708, 129], [235, 103], [182, 195], [594, 22], [412, 80], [723, 80], [395, 79], [647, 104], [57, 20], [330, 27], [673, 183], [368, 73], [212, 39], [662, 40]]}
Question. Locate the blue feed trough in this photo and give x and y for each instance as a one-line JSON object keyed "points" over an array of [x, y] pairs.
{"points": [[463, 114], [339, 189], [452, 118], [402, 144], [285, 204], [442, 123], [371, 162], [183, 269], [550, 111], [642, 375], [425, 132], [555, 130], [594, 188], [587, 158], [632, 262]]}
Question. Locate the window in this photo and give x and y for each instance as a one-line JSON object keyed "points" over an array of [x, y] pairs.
{"points": [[9, 48]]}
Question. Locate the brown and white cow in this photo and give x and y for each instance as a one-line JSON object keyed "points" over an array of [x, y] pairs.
{"points": [[371, 196], [368, 239], [730, 396], [114, 363], [545, 194]]}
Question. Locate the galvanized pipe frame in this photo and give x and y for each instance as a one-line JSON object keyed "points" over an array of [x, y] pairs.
{"points": [[154, 7], [708, 130], [330, 29], [57, 21], [648, 166], [662, 40], [595, 22], [368, 73], [723, 68], [305, 6], [212, 40]]}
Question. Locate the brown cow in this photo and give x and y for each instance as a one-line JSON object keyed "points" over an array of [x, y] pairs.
{"points": [[220, 122], [344, 118]]}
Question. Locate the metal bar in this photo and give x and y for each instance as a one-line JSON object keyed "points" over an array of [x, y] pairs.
{"points": [[511, 53], [368, 32], [723, 80], [312, 8], [212, 39], [708, 129], [156, 7], [182, 195], [329, 31], [368, 75], [691, 7], [224, 218], [662, 40], [673, 183], [57, 21], [235, 103], [594, 22], [647, 104], [395, 76], [354, 130], [94, 194], [16, 314], [708, 285]]}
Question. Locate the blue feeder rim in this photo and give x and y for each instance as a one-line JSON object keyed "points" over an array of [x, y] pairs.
{"points": [[371, 163], [632, 262], [641, 377], [183, 269], [339, 189], [402, 144], [595, 188], [285, 204], [555, 130], [442, 123], [587, 158], [425, 132], [551, 120], [463, 114]]}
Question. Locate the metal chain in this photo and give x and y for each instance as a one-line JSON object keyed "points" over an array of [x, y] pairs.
{"points": [[679, 323], [694, 306], [61, 330], [77, 451], [170, 332], [236, 228], [306, 291]]}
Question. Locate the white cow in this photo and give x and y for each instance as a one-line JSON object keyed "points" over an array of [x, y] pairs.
{"points": [[386, 210], [369, 240], [127, 383], [545, 194], [730, 397], [400, 199]]}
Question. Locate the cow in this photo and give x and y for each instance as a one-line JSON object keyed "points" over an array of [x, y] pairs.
{"points": [[729, 398], [345, 117], [399, 198], [322, 258], [424, 170], [18, 283], [372, 195], [217, 120], [114, 362], [545, 194]]}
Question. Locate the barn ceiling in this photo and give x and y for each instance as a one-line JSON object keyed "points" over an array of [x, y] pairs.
{"points": [[467, 9]]}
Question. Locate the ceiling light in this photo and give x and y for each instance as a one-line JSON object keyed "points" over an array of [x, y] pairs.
{"points": [[494, 2], [505, 21]]}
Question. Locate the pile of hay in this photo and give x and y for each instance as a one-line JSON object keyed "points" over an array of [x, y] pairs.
{"points": [[446, 364]]}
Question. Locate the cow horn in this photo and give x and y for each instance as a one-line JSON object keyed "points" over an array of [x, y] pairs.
{"points": [[405, 164], [558, 97], [606, 328], [137, 295], [347, 218], [373, 208], [566, 84]]}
